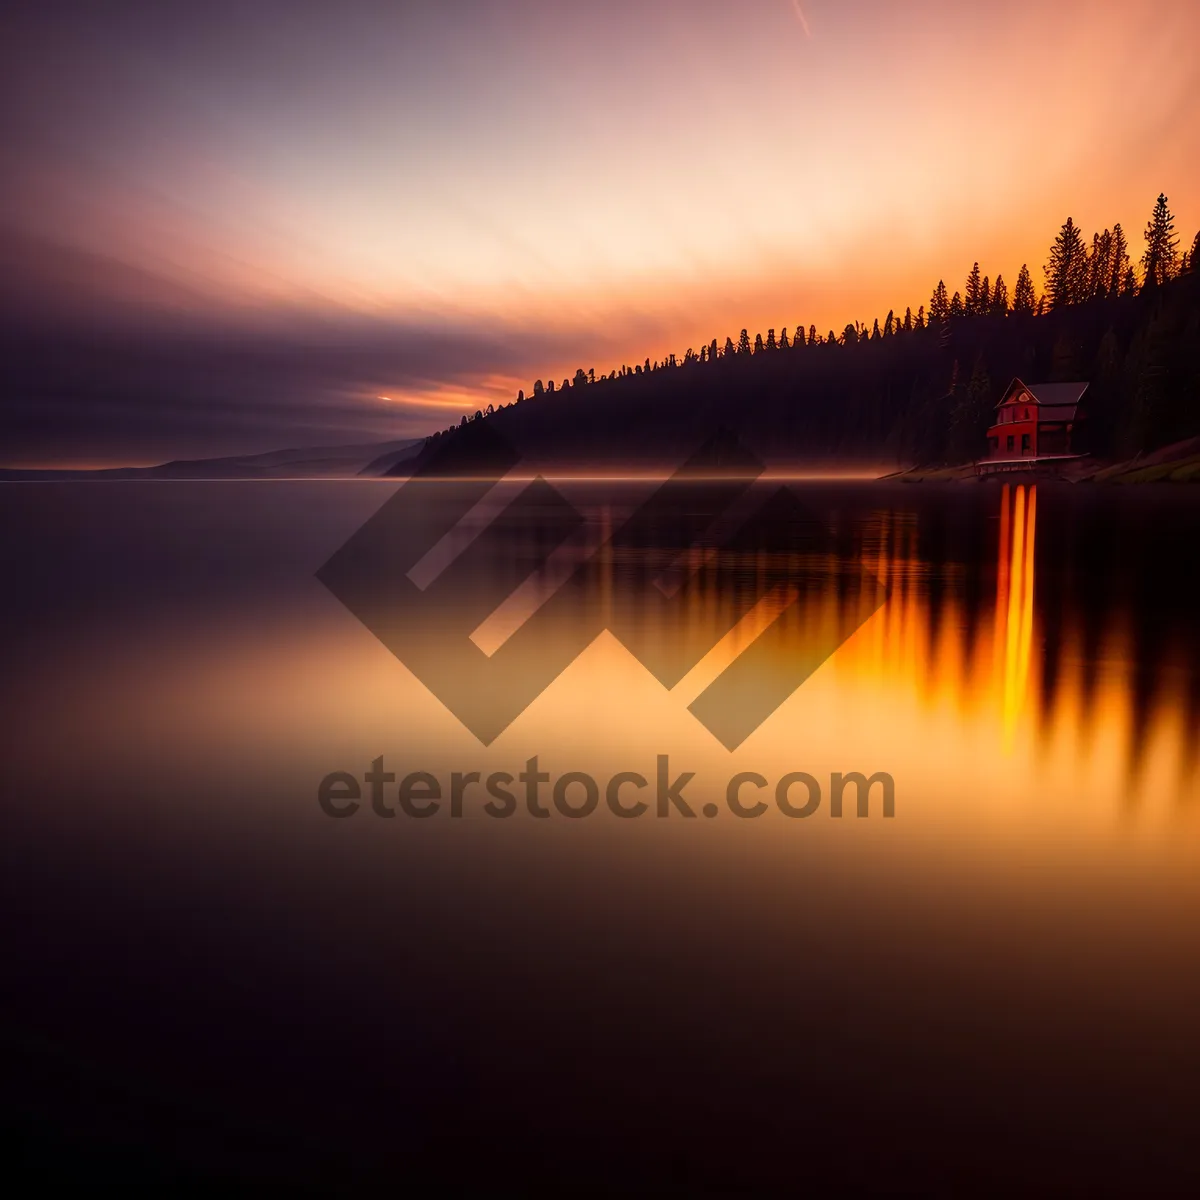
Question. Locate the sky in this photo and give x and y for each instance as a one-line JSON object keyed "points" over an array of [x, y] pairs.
{"points": [[229, 227]]}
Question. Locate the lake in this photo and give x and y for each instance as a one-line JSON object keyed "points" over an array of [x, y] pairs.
{"points": [[209, 976]]}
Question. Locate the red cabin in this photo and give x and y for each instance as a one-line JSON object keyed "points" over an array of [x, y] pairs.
{"points": [[1036, 421]]}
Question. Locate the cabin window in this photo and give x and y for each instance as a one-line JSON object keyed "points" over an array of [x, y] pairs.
{"points": [[1012, 442], [1025, 446]]}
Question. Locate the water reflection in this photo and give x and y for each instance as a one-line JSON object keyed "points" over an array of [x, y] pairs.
{"points": [[1085, 640], [1034, 642], [1019, 940], [1041, 639]]}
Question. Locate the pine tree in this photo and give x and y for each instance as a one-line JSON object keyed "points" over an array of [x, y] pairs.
{"points": [[956, 306], [1066, 269], [1161, 260], [728, 351], [921, 317], [1024, 300], [771, 340], [813, 339], [539, 388], [939, 305], [849, 335], [1000, 298], [1194, 257], [889, 324], [1100, 265], [758, 343], [1146, 382], [743, 343], [970, 416], [875, 333], [973, 303], [1093, 265], [1120, 261], [908, 320], [1129, 283], [784, 344], [985, 296]]}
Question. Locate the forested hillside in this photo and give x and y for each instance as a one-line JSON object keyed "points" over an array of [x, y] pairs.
{"points": [[911, 388]]}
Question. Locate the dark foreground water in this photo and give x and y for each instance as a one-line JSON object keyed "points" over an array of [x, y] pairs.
{"points": [[207, 978]]}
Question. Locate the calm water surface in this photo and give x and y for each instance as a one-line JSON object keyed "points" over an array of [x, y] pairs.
{"points": [[205, 975]]}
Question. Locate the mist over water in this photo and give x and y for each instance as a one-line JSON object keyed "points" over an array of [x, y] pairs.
{"points": [[194, 946]]}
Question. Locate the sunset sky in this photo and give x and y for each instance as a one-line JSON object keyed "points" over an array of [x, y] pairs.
{"points": [[227, 227]]}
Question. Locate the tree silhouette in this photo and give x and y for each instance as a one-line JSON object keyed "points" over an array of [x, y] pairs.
{"points": [[758, 343], [1161, 260], [784, 344], [743, 343], [970, 415], [539, 388], [849, 335], [956, 306], [908, 320], [1120, 261], [985, 296], [813, 337], [771, 344], [939, 305], [1066, 269], [921, 317], [1000, 298], [1100, 265], [973, 301], [1024, 299]]}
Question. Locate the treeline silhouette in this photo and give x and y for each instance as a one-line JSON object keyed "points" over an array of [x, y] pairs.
{"points": [[916, 388]]}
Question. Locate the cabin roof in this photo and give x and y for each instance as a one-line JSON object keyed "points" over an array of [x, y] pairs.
{"points": [[1055, 401]]}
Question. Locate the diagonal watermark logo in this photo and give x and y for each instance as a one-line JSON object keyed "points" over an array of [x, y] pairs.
{"points": [[488, 596]]}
